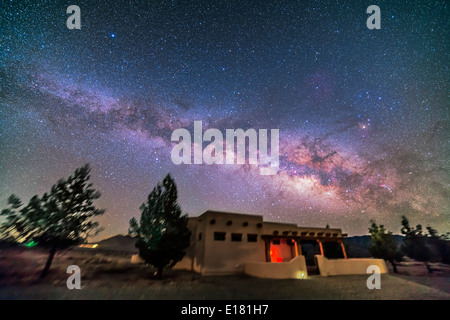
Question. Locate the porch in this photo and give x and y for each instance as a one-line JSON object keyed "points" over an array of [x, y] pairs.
{"points": [[295, 257]]}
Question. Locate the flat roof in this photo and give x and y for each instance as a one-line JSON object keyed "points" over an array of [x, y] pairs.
{"points": [[232, 213], [268, 223]]}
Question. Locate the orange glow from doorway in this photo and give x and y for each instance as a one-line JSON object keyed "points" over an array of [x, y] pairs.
{"points": [[275, 254]]}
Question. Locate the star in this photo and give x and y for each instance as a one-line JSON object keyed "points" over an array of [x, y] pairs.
{"points": [[362, 120]]}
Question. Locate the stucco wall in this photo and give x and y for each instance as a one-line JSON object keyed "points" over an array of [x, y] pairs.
{"points": [[228, 257], [194, 254], [208, 255], [335, 267], [294, 269]]}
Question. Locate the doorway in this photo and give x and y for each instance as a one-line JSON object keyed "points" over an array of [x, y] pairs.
{"points": [[310, 248], [282, 250]]}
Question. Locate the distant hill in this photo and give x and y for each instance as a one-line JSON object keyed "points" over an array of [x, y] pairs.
{"points": [[118, 243], [358, 246]]}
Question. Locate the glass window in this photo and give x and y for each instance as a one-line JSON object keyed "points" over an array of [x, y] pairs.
{"points": [[219, 236], [236, 237]]}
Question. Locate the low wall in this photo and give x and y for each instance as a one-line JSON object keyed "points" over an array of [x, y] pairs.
{"points": [[348, 266], [294, 269]]}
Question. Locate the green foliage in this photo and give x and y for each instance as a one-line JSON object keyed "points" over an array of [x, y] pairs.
{"points": [[415, 243], [384, 245], [440, 245], [162, 233], [58, 219]]}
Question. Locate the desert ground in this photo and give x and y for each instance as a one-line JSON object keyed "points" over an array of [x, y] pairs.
{"points": [[110, 275]]}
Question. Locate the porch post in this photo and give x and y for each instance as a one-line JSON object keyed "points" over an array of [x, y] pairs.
{"points": [[321, 247], [296, 248], [343, 249], [267, 247]]}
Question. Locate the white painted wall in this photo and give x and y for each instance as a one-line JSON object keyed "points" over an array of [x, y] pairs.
{"points": [[294, 269], [335, 267], [229, 257]]}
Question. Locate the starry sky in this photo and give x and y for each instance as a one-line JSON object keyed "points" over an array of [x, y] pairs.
{"points": [[363, 114]]}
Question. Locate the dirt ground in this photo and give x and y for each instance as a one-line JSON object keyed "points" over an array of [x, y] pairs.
{"points": [[107, 275]]}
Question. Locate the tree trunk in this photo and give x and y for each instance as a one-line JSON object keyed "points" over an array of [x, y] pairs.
{"points": [[159, 273], [428, 267], [394, 266], [48, 263]]}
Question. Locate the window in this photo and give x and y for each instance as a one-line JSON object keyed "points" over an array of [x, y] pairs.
{"points": [[200, 236], [219, 236], [252, 237], [236, 237]]}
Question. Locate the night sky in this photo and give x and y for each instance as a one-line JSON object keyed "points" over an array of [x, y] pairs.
{"points": [[363, 114]]}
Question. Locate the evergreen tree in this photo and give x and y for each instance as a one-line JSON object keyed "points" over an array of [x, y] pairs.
{"points": [[440, 244], [415, 243], [162, 234], [384, 245], [58, 219]]}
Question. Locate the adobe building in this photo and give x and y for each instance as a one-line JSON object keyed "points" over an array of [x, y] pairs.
{"points": [[233, 243]]}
